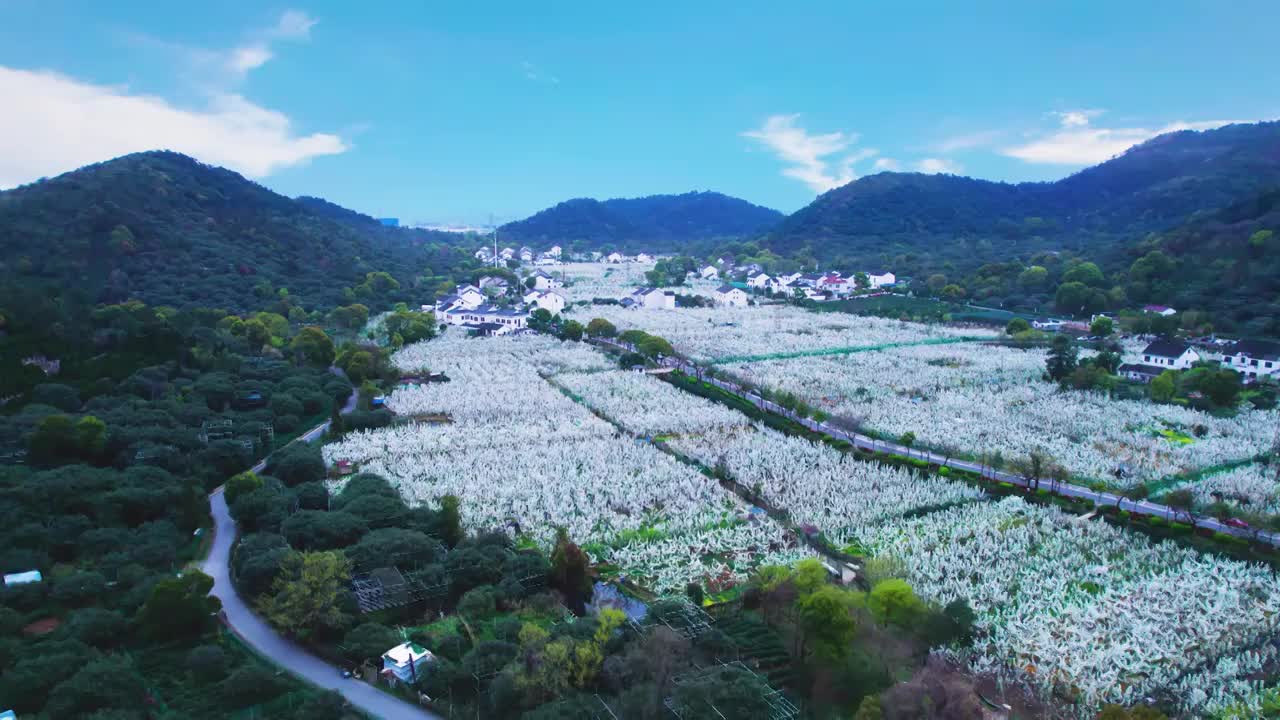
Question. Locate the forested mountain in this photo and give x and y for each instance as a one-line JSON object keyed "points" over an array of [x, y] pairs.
{"points": [[168, 230], [656, 223], [1099, 211]]}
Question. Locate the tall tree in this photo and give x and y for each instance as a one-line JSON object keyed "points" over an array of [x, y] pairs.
{"points": [[307, 594], [1061, 361]]}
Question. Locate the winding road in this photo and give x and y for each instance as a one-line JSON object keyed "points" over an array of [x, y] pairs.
{"points": [[274, 646]]}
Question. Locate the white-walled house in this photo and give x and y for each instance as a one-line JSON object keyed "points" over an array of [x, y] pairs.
{"points": [[644, 258], [406, 662], [543, 281], [787, 278], [880, 279], [554, 251], [654, 299], [709, 273], [730, 296], [489, 319], [1253, 358], [1170, 355], [545, 300], [613, 258], [758, 281]]}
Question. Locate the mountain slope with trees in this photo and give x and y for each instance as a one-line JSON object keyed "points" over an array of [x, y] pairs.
{"points": [[656, 223], [1100, 211], [168, 230]]}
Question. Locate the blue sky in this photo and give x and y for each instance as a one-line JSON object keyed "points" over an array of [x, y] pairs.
{"points": [[452, 112]]}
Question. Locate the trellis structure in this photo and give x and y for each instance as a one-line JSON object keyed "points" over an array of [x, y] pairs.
{"points": [[774, 704], [685, 619], [387, 588], [215, 430]]}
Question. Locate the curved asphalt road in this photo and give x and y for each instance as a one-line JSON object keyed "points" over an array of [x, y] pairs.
{"points": [[280, 650]]}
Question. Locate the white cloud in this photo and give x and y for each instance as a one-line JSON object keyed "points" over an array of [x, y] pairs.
{"points": [[294, 25], [66, 123], [809, 156], [1076, 118], [1077, 142], [888, 164], [250, 57], [935, 166]]}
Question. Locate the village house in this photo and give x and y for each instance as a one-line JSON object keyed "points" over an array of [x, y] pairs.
{"points": [[554, 251], [1140, 372], [465, 297], [709, 273], [779, 284], [544, 300], [545, 281], [613, 258], [731, 296], [1161, 310], [405, 662], [483, 255], [526, 254], [757, 281], [507, 253], [835, 284], [878, 279], [1170, 354], [644, 258], [787, 278], [494, 282], [488, 320], [1253, 359], [654, 299]]}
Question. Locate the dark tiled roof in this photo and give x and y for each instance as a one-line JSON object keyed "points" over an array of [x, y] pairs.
{"points": [[1166, 348], [1259, 349], [1142, 369], [725, 288]]}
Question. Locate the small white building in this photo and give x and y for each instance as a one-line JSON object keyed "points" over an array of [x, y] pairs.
{"points": [[1253, 358], [654, 299], [787, 278], [507, 253], [880, 279], [644, 258], [758, 281], [491, 319], [554, 251], [1161, 310], [545, 281], [1170, 354], [709, 273], [730, 296], [545, 300], [406, 662], [613, 258], [483, 255]]}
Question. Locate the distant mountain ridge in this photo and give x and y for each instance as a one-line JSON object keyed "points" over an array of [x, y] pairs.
{"points": [[658, 223], [169, 230], [1153, 186]]}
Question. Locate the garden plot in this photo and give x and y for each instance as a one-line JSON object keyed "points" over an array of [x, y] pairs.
{"points": [[1253, 488], [725, 334], [519, 452], [982, 399], [647, 406], [819, 485], [1083, 608]]}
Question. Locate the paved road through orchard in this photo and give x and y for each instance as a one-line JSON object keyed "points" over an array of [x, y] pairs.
{"points": [[280, 650], [864, 441]]}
